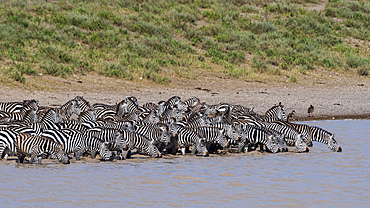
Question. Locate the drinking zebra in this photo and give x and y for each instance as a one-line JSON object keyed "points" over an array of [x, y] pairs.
{"points": [[187, 137], [37, 146]]}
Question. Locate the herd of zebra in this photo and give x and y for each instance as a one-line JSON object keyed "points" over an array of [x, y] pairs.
{"points": [[78, 128]]}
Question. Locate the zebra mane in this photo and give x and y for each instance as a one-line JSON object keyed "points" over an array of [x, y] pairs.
{"points": [[83, 100], [274, 107], [323, 130]]}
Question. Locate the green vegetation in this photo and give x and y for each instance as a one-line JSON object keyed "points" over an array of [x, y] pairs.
{"points": [[159, 39]]}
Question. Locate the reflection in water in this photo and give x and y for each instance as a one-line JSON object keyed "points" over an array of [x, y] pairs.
{"points": [[318, 178]]}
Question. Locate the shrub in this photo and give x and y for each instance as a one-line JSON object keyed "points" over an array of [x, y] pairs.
{"points": [[293, 79], [363, 70], [355, 61]]}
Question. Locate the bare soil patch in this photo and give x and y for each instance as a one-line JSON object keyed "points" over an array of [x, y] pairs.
{"points": [[334, 96]]}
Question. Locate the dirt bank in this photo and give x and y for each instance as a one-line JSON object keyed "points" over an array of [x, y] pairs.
{"points": [[337, 97]]}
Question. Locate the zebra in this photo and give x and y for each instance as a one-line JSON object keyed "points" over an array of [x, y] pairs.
{"points": [[232, 132], [7, 143], [138, 141], [13, 107], [65, 111], [69, 108], [258, 135], [313, 133], [158, 134], [82, 103], [71, 141], [126, 106], [187, 137], [167, 106], [319, 135], [94, 145], [37, 146], [111, 137], [27, 116], [291, 136], [213, 136]]}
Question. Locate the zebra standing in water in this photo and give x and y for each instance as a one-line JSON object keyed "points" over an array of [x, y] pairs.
{"points": [[187, 137], [291, 136], [37, 146], [258, 135], [138, 141], [314, 133], [70, 141], [110, 137], [213, 136]]}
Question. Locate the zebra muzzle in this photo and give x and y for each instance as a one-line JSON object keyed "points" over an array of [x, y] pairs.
{"points": [[339, 149]]}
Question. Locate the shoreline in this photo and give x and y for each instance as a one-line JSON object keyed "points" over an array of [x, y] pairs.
{"points": [[347, 99]]}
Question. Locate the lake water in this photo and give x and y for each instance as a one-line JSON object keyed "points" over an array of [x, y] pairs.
{"points": [[320, 178]]}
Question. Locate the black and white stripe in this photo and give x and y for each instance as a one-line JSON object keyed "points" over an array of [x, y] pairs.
{"points": [[37, 146]]}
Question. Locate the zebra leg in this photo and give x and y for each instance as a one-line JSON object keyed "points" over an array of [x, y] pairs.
{"points": [[93, 154], [78, 155], [183, 150], [241, 147], [6, 153], [33, 156], [21, 158]]}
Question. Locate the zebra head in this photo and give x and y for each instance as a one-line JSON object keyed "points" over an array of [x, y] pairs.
{"points": [[151, 118], [61, 156], [300, 144], [153, 151], [31, 105], [71, 107], [200, 146], [82, 103], [104, 152], [280, 140], [181, 106], [276, 113], [272, 145], [129, 126], [233, 132], [120, 141], [223, 141], [333, 145], [166, 134]]}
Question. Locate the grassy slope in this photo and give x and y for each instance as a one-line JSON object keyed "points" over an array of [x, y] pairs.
{"points": [[159, 39]]}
